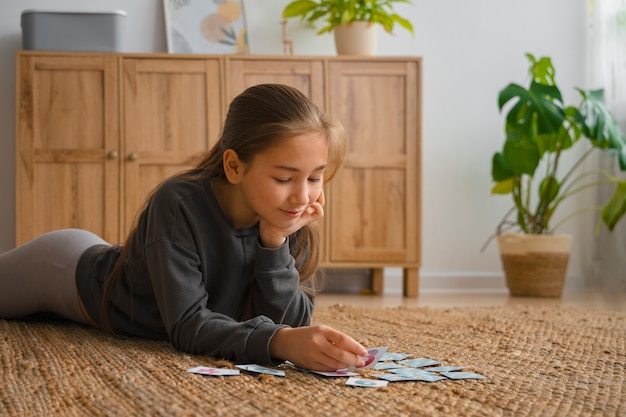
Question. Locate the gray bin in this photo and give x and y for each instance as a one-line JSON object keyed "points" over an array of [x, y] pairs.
{"points": [[73, 31]]}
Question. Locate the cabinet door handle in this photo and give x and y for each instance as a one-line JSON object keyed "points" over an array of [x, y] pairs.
{"points": [[112, 155], [132, 156]]}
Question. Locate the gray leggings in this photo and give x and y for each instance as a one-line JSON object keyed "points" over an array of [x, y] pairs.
{"points": [[40, 275]]}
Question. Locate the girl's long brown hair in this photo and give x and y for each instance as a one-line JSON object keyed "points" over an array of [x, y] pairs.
{"points": [[257, 119]]}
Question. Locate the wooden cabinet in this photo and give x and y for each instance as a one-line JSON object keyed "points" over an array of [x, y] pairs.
{"points": [[67, 146], [374, 216], [171, 115], [90, 148], [96, 132]]}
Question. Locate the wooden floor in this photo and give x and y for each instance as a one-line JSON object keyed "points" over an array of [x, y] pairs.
{"points": [[590, 299]]}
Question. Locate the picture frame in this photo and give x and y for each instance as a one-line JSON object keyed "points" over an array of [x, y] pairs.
{"points": [[206, 26]]}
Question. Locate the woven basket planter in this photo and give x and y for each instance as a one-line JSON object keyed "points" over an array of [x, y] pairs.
{"points": [[535, 265]]}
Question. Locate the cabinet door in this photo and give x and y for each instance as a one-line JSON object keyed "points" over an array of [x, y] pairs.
{"points": [[172, 116], [303, 74], [67, 145], [375, 198]]}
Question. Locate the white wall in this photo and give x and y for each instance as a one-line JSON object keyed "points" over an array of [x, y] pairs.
{"points": [[470, 49]]}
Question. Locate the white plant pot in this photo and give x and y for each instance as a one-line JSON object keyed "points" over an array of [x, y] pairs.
{"points": [[356, 38], [535, 265]]}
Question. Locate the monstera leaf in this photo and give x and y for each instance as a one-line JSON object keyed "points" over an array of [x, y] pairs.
{"points": [[614, 210], [599, 125], [538, 103], [520, 153]]}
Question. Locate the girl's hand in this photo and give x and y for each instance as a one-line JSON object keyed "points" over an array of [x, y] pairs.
{"points": [[273, 237], [319, 348]]}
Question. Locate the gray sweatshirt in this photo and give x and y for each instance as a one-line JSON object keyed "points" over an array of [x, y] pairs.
{"points": [[194, 280]]}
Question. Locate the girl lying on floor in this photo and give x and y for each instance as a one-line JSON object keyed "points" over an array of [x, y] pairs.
{"points": [[223, 258]]}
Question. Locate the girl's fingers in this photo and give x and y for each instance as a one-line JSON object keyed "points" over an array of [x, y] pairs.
{"points": [[321, 199], [348, 344], [314, 212], [341, 359], [345, 351]]}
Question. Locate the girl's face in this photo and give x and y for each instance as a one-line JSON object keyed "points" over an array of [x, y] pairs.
{"points": [[284, 180]]}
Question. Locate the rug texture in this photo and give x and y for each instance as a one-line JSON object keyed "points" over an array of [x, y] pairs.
{"points": [[539, 361]]}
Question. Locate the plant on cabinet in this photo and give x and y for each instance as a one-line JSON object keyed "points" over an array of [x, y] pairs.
{"points": [[352, 21], [539, 129]]}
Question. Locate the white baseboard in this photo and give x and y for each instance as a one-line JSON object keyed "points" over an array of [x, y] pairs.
{"points": [[447, 282], [431, 282]]}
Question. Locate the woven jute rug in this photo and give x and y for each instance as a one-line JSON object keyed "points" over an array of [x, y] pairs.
{"points": [[539, 361]]}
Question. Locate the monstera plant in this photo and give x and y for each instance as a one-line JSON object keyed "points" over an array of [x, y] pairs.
{"points": [[539, 129]]}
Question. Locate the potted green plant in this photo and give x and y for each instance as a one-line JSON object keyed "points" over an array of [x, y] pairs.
{"points": [[352, 21], [539, 129]]}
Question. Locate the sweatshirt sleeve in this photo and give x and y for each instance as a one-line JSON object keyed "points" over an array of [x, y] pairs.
{"points": [[191, 327], [277, 292]]}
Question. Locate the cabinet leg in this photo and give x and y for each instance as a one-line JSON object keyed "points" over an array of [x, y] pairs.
{"points": [[377, 280], [411, 282]]}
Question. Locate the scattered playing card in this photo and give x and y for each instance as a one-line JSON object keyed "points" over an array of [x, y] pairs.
{"points": [[428, 378], [462, 375], [261, 369], [366, 383], [392, 356], [373, 356], [410, 372], [341, 372], [203, 370], [387, 365], [445, 368], [417, 377], [335, 373], [419, 362], [394, 377], [398, 367]]}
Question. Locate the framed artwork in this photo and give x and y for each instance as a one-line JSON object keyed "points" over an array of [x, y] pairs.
{"points": [[206, 26]]}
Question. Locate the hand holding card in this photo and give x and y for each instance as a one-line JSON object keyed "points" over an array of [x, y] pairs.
{"points": [[373, 356], [318, 348]]}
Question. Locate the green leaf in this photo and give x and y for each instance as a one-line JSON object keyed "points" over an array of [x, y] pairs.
{"points": [[537, 104], [403, 22], [622, 158], [613, 211], [299, 8], [541, 71], [599, 125], [503, 187], [520, 154], [499, 170], [385, 21], [548, 190], [545, 143], [570, 131]]}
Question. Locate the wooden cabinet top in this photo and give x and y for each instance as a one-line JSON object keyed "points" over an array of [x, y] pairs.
{"points": [[165, 55]]}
